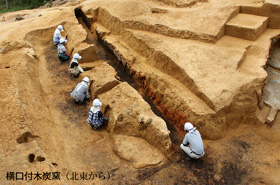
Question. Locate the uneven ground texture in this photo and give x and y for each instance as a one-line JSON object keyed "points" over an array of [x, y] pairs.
{"points": [[155, 64]]}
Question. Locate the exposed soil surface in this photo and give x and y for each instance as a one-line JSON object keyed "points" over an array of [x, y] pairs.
{"points": [[167, 70]]}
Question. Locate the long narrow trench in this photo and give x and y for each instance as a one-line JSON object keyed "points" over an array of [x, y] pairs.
{"points": [[271, 92], [206, 168], [104, 53]]}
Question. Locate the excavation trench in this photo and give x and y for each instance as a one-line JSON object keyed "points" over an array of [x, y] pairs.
{"points": [[270, 104], [105, 53]]}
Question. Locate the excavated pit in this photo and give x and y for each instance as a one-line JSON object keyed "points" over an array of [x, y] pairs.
{"points": [[201, 168], [144, 55], [26, 137], [105, 53], [204, 111], [38, 84]]}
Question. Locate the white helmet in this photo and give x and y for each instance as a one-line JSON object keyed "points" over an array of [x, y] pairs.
{"points": [[62, 40], [96, 103], [60, 27], [77, 56], [86, 79], [188, 126]]}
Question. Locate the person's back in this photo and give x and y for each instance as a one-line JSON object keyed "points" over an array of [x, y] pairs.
{"points": [[96, 119], [57, 34], [74, 63], [192, 144], [195, 141], [61, 51], [60, 48], [81, 91], [74, 67]]}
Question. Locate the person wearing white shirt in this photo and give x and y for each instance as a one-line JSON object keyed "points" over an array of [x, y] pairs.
{"points": [[192, 144], [57, 34]]}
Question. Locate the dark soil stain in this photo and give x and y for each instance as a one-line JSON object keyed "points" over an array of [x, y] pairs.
{"points": [[76, 113], [233, 174]]}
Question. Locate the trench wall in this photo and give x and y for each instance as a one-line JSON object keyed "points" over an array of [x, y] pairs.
{"points": [[242, 109], [215, 123]]}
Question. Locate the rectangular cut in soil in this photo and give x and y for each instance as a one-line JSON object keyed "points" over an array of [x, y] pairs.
{"points": [[246, 26]]}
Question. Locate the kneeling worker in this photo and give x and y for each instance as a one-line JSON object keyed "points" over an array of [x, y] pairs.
{"points": [[96, 118], [57, 34], [81, 91], [61, 50], [74, 67], [193, 138]]}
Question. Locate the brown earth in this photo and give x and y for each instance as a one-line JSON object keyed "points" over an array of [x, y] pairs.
{"points": [[155, 65]]}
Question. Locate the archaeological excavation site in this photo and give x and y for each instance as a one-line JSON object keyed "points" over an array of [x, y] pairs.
{"points": [[155, 65]]}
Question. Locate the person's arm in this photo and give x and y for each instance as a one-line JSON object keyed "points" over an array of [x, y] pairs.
{"points": [[63, 49], [87, 93], [186, 144], [100, 115], [90, 117], [185, 141]]}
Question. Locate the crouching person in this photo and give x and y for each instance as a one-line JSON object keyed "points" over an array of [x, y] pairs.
{"points": [[61, 50], [57, 34], [192, 144], [74, 67], [81, 91], [96, 119]]}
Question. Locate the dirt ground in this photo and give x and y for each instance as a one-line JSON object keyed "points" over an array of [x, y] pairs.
{"points": [[44, 131]]}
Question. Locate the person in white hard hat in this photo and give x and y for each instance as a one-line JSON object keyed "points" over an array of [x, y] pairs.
{"points": [[74, 67], [81, 91], [61, 50], [96, 119], [57, 34], [192, 144]]}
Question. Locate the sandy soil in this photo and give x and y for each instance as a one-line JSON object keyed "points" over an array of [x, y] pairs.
{"points": [[43, 130]]}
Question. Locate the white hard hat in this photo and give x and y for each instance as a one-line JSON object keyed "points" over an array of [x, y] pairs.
{"points": [[86, 79], [77, 56], [188, 126], [60, 27], [62, 40], [96, 103]]}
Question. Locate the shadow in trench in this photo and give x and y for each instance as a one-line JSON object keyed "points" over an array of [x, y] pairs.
{"points": [[270, 100]]}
